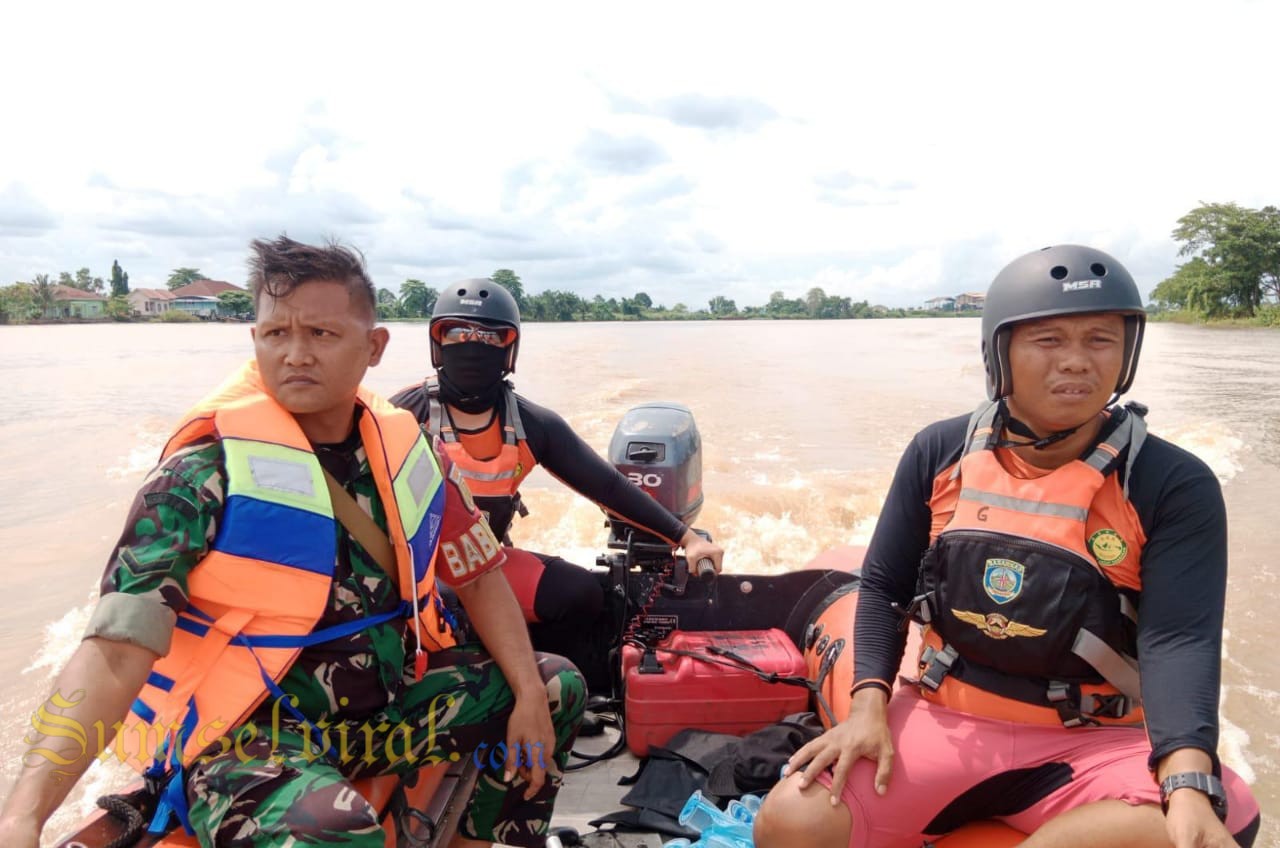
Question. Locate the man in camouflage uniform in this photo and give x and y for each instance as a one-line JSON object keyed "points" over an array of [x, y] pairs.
{"points": [[354, 709]]}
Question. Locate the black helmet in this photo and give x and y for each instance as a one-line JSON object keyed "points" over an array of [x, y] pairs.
{"points": [[481, 300], [1067, 279]]}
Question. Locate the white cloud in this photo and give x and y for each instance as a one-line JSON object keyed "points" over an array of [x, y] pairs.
{"points": [[886, 153]]}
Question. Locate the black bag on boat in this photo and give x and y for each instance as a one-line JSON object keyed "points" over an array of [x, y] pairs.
{"points": [[722, 766]]}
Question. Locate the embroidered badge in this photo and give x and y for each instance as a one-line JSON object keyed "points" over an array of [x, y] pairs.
{"points": [[1002, 580], [996, 625], [1108, 547]]}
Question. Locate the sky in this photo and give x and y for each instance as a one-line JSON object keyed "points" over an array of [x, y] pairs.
{"points": [[885, 152]]}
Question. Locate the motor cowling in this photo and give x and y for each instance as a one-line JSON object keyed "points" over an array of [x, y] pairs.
{"points": [[657, 447]]}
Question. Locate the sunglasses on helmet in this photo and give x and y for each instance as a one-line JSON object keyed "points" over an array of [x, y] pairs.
{"points": [[455, 332]]}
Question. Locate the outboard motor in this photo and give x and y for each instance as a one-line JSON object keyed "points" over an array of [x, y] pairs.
{"points": [[657, 447]]}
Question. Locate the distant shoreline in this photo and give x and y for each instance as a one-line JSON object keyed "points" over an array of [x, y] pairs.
{"points": [[621, 319], [1268, 317]]}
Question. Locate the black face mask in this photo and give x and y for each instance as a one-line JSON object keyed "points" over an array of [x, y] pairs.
{"points": [[471, 375]]}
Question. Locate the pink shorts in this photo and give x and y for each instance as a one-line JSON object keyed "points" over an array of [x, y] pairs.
{"points": [[941, 754]]}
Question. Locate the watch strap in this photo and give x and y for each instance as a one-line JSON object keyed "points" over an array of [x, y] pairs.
{"points": [[1207, 784]]}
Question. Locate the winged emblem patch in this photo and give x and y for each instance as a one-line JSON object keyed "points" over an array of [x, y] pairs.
{"points": [[996, 625]]}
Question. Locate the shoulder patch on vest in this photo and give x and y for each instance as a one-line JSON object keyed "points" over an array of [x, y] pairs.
{"points": [[1108, 547]]}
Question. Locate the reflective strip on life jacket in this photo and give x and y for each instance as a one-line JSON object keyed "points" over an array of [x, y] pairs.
{"points": [[1030, 507], [488, 476], [271, 485], [420, 497]]}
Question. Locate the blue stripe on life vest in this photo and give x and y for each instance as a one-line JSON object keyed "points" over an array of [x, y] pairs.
{"points": [[195, 628], [173, 797], [187, 621], [159, 681], [142, 711], [328, 634], [424, 541], [256, 529]]}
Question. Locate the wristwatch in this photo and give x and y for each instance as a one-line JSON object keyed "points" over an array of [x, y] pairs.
{"points": [[1199, 781]]}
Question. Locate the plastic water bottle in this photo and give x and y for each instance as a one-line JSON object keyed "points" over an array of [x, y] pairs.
{"points": [[718, 829], [745, 809], [718, 837], [702, 815]]}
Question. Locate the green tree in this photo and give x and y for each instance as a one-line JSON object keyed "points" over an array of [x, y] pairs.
{"points": [[180, 277], [603, 310], [417, 299], [722, 306], [388, 305], [119, 280], [643, 300], [1175, 292], [1239, 253], [236, 304], [17, 303], [42, 289], [814, 302], [117, 307], [507, 278], [553, 305], [82, 280], [780, 306], [88, 282]]}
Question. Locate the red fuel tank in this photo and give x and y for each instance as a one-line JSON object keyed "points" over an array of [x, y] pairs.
{"points": [[695, 682]]}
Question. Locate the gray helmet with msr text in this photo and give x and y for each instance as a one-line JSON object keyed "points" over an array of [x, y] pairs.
{"points": [[483, 301], [1067, 279]]}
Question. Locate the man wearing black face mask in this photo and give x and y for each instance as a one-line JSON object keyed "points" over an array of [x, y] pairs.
{"points": [[495, 438]]}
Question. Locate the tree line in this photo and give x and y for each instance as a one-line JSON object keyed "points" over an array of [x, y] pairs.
{"points": [[1233, 270], [27, 300], [417, 300], [1234, 265]]}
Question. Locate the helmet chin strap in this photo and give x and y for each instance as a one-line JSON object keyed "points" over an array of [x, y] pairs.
{"points": [[1021, 428]]}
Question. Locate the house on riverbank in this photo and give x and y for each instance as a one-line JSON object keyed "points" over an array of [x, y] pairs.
{"points": [[967, 302], [201, 297], [147, 302], [71, 302]]}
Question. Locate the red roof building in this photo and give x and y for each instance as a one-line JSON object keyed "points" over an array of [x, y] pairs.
{"points": [[73, 293], [205, 288]]}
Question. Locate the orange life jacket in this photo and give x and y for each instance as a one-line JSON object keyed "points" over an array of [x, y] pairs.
{"points": [[1022, 621], [258, 594], [494, 482]]}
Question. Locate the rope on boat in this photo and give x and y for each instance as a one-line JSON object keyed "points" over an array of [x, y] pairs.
{"points": [[131, 810]]}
